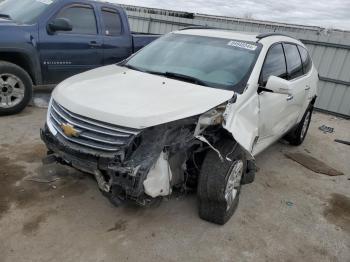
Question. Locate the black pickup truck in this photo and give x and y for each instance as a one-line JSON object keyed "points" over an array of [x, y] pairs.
{"points": [[43, 42]]}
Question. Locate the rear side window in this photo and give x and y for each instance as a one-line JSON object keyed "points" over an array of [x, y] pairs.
{"points": [[275, 64], [306, 59], [82, 19], [112, 22], [294, 66]]}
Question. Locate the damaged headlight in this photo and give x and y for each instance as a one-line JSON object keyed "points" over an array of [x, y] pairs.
{"points": [[212, 117]]}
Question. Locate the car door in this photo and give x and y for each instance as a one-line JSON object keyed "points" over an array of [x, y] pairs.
{"points": [[117, 42], [299, 82], [64, 54], [273, 112], [280, 112], [307, 65]]}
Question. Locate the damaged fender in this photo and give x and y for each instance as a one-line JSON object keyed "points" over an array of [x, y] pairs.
{"points": [[242, 119]]}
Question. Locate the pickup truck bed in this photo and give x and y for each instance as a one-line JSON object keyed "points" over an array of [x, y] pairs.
{"points": [[141, 40]]}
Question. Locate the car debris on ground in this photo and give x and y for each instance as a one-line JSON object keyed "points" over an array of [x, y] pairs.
{"points": [[342, 142], [313, 164], [326, 129], [39, 179]]}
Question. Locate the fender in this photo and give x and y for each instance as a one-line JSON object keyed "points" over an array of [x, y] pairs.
{"points": [[242, 119], [30, 55]]}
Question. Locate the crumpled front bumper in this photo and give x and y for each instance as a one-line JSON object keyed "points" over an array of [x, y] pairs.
{"points": [[92, 162]]}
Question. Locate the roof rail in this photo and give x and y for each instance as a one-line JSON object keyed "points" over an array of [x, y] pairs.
{"points": [[264, 35], [197, 27]]}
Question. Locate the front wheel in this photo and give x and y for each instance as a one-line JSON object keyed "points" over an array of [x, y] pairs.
{"points": [[219, 183], [15, 88]]}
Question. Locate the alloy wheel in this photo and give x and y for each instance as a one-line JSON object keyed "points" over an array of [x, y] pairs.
{"points": [[233, 182], [11, 90]]}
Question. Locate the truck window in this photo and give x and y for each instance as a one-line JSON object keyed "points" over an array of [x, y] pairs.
{"points": [[112, 22], [82, 19], [275, 64], [294, 66]]}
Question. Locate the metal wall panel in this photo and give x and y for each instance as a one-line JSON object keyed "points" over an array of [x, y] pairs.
{"points": [[330, 50]]}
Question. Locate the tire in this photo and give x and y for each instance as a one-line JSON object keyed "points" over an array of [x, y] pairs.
{"points": [[16, 89], [297, 135], [213, 203]]}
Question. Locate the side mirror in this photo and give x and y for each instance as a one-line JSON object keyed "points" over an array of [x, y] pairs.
{"points": [[59, 24], [278, 85]]}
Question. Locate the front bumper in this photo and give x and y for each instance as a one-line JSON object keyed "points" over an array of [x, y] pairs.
{"points": [[128, 179]]}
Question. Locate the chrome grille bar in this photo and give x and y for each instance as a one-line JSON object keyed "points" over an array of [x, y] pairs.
{"points": [[82, 125], [95, 123], [92, 134]]}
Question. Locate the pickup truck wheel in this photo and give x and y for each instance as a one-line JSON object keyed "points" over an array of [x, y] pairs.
{"points": [[297, 136], [220, 183], [15, 89]]}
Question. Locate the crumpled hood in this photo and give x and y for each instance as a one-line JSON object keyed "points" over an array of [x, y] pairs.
{"points": [[129, 98]]}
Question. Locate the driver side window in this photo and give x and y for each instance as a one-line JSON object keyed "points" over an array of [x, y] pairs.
{"points": [[274, 65], [82, 18]]}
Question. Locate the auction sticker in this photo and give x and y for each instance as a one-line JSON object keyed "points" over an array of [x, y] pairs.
{"points": [[242, 45]]}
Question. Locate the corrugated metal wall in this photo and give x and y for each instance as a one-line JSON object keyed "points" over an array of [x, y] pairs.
{"points": [[330, 49]]}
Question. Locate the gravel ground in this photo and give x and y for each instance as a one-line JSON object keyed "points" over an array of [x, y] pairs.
{"points": [[288, 214]]}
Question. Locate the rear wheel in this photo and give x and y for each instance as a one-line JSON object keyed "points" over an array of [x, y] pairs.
{"points": [[15, 88], [297, 136], [220, 183]]}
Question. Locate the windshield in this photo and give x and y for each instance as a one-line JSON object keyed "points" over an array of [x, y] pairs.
{"points": [[214, 62], [23, 11]]}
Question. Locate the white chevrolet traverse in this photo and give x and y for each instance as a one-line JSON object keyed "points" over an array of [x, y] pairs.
{"points": [[189, 111]]}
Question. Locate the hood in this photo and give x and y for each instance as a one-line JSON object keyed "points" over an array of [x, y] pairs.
{"points": [[6, 22], [9, 23], [134, 99], [13, 34]]}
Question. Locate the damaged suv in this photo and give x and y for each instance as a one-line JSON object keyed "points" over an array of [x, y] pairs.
{"points": [[189, 111]]}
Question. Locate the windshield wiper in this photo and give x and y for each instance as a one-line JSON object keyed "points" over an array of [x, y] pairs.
{"points": [[172, 75], [5, 16], [178, 76], [134, 68], [186, 78]]}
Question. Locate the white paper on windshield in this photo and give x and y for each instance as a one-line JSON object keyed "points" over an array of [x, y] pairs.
{"points": [[46, 2], [242, 45]]}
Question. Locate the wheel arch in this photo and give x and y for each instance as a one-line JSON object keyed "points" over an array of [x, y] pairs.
{"points": [[25, 61]]}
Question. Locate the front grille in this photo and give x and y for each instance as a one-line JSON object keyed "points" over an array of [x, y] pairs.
{"points": [[92, 133]]}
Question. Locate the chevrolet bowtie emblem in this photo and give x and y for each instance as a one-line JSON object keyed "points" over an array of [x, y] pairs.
{"points": [[69, 130]]}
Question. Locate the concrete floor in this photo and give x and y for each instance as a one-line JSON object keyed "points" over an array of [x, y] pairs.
{"points": [[288, 214]]}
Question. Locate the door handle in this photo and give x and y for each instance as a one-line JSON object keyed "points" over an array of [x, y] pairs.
{"points": [[307, 88], [94, 44], [290, 97]]}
